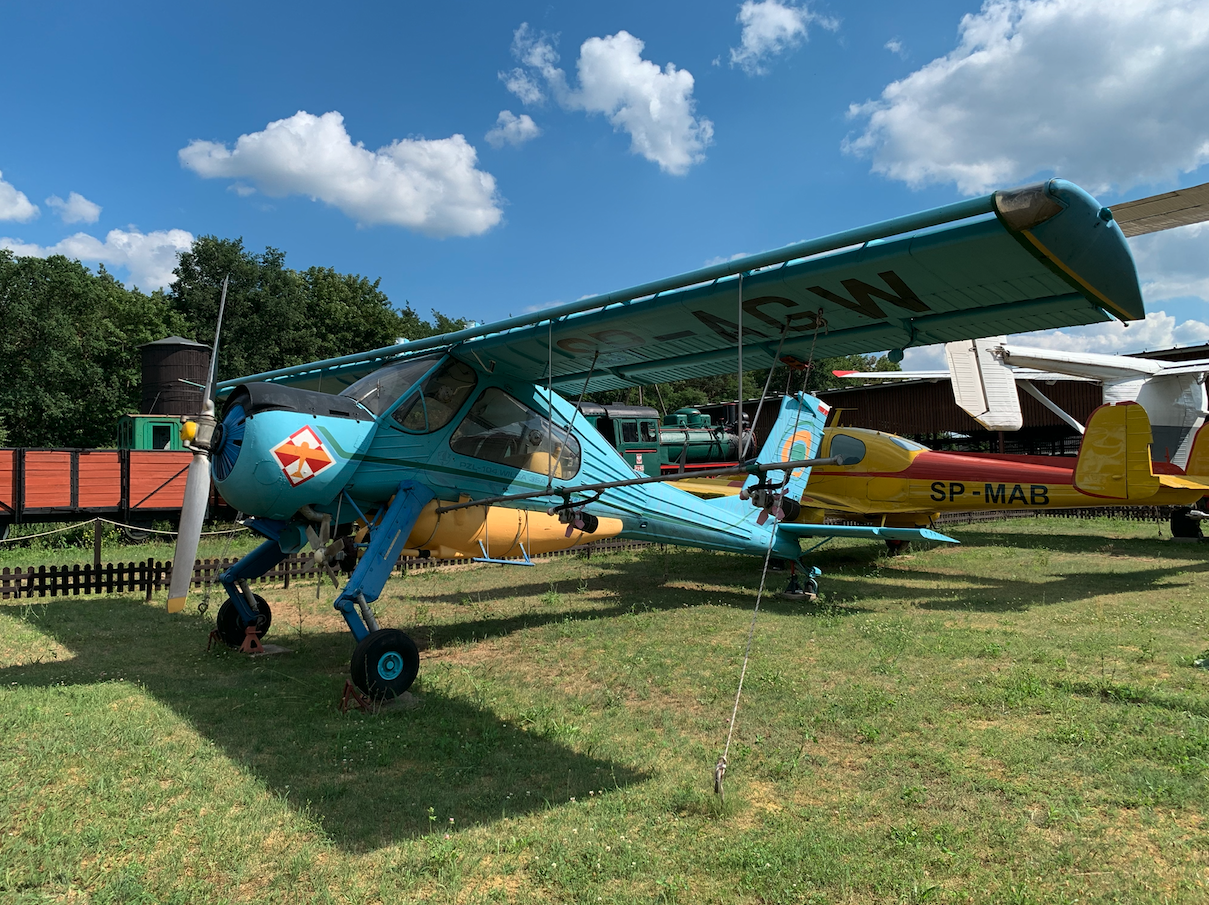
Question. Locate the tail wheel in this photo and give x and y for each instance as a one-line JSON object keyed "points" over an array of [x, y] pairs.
{"points": [[895, 547], [231, 627], [385, 664]]}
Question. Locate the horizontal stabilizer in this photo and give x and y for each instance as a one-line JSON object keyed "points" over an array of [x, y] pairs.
{"points": [[799, 529], [983, 385]]}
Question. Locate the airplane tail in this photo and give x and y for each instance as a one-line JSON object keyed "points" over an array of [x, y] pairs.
{"points": [[1198, 456], [1114, 457], [983, 385], [795, 435]]}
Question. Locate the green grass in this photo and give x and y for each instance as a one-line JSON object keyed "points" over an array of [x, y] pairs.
{"points": [[1015, 720]]}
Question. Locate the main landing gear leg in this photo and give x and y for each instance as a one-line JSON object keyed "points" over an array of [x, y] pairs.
{"points": [[385, 661], [803, 589], [244, 617]]}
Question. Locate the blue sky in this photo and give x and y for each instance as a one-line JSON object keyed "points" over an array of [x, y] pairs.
{"points": [[487, 159]]}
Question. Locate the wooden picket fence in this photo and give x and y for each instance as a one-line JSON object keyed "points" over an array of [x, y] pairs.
{"points": [[152, 576]]}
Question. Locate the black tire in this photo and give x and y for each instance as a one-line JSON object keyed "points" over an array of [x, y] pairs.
{"points": [[232, 628], [895, 547], [385, 664], [1183, 526]]}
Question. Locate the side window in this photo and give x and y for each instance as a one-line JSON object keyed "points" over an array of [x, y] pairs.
{"points": [[852, 449], [629, 432], [161, 436], [649, 434], [437, 400], [501, 429]]}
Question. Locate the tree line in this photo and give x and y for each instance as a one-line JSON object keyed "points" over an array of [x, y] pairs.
{"points": [[69, 359]]}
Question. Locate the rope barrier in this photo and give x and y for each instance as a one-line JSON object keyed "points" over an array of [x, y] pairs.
{"points": [[66, 528]]}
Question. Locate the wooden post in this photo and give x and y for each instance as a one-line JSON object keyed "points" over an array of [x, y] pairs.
{"points": [[96, 543]]}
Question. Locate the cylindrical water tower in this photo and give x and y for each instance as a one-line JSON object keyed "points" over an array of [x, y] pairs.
{"points": [[167, 365]]}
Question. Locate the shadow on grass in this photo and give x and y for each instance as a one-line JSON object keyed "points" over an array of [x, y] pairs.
{"points": [[368, 780], [995, 595], [1117, 693], [635, 578], [1080, 543]]}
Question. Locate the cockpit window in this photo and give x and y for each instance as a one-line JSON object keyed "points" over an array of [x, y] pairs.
{"points": [[435, 403], [908, 445], [379, 390], [852, 449], [501, 429]]}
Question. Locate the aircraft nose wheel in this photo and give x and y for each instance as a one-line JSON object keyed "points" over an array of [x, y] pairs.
{"points": [[231, 625], [385, 664]]}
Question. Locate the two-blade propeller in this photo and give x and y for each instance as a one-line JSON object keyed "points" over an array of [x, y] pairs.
{"points": [[198, 436]]}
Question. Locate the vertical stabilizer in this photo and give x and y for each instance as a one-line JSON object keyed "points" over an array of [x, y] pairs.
{"points": [[983, 385], [1198, 457], [1114, 457], [794, 436]]}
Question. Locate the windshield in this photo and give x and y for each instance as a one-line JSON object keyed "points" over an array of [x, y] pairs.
{"points": [[909, 445], [378, 391]]}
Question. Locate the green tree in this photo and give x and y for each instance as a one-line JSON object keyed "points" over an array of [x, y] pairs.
{"points": [[277, 317], [69, 360]]}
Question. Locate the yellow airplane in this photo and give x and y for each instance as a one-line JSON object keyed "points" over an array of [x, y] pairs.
{"points": [[896, 482]]}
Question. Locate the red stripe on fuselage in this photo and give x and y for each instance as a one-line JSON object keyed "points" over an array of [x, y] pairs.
{"points": [[934, 466]]}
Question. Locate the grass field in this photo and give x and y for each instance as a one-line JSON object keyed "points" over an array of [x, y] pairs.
{"points": [[1014, 720]]}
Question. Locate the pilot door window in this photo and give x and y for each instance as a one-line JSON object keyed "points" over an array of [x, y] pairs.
{"points": [[438, 399], [501, 429]]}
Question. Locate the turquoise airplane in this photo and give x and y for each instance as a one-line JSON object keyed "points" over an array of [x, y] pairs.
{"points": [[402, 438]]}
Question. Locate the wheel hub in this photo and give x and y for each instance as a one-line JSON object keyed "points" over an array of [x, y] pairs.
{"points": [[390, 665]]}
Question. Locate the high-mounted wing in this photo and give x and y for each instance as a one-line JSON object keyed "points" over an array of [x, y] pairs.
{"points": [[1045, 256], [1166, 211]]}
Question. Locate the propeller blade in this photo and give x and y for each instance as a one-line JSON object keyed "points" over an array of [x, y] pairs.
{"points": [[197, 481], [193, 513]]}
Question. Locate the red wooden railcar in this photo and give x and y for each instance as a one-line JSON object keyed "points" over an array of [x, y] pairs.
{"points": [[133, 486]]}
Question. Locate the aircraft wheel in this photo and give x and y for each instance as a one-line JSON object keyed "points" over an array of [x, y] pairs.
{"points": [[895, 547], [385, 664], [231, 627], [1183, 526]]}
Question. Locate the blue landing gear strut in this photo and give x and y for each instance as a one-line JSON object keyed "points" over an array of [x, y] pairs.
{"points": [[385, 661], [244, 617]]}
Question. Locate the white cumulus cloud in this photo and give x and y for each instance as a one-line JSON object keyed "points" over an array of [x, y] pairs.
{"points": [[1173, 263], [14, 205], [770, 28], [1159, 330], [430, 186], [148, 257], [76, 209], [511, 129], [654, 106], [1109, 93]]}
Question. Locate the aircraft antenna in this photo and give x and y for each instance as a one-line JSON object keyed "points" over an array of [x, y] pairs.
{"points": [[739, 405]]}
